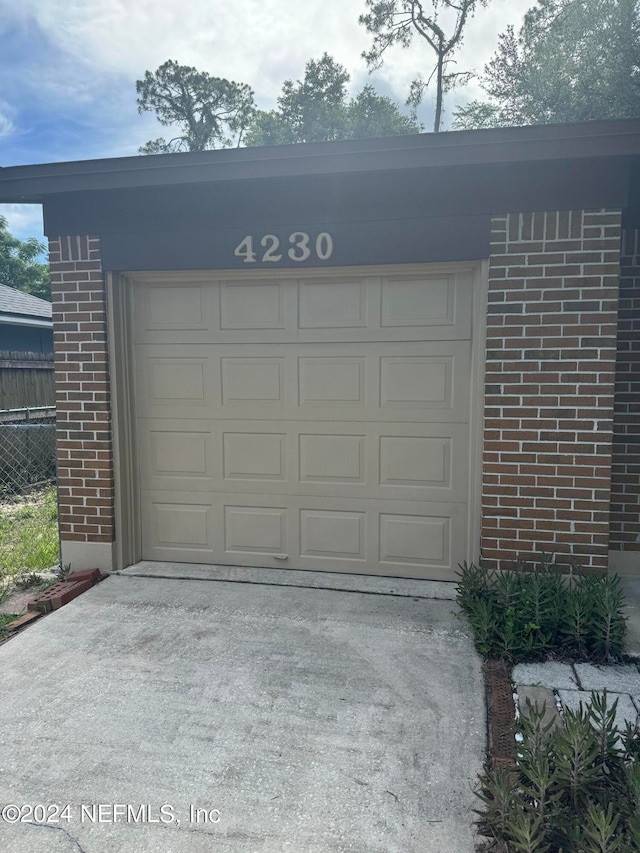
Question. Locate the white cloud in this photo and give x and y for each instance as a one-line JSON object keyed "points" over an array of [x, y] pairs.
{"points": [[25, 220], [7, 126], [260, 42], [72, 95]]}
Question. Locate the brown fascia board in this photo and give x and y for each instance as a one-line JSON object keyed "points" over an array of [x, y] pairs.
{"points": [[31, 184]]}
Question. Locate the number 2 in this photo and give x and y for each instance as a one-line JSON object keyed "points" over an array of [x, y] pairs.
{"points": [[270, 255]]}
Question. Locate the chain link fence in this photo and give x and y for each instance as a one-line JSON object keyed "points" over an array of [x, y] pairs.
{"points": [[28, 495]]}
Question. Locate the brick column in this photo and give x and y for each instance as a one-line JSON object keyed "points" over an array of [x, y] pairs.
{"points": [[85, 457], [625, 484], [551, 349]]}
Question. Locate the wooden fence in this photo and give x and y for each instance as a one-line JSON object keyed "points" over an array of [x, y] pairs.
{"points": [[26, 380]]}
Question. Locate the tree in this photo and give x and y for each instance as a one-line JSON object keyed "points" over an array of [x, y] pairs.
{"points": [[397, 21], [210, 112], [20, 266], [572, 60], [309, 110], [317, 109], [371, 114]]}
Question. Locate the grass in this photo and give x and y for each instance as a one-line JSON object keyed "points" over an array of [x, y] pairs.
{"points": [[5, 618], [29, 533]]}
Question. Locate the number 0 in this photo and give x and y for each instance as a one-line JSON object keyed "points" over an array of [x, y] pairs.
{"points": [[324, 246]]}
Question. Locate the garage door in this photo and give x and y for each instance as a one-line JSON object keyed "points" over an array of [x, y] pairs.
{"points": [[317, 422]]}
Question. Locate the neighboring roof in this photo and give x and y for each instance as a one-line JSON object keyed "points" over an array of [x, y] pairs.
{"points": [[22, 309], [598, 139]]}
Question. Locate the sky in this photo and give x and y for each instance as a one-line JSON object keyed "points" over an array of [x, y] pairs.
{"points": [[68, 67]]}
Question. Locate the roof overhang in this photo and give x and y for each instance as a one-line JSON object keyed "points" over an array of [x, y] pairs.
{"points": [[565, 142], [33, 322]]}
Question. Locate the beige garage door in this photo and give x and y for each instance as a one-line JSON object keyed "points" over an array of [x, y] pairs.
{"points": [[312, 422]]}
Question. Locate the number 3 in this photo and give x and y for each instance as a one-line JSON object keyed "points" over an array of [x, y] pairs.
{"points": [[300, 241]]}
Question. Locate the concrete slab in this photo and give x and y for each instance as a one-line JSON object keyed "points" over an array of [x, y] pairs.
{"points": [[551, 675], [631, 587], [311, 720], [543, 697], [368, 584], [624, 678], [625, 711]]}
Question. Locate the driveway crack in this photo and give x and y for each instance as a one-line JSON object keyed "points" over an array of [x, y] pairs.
{"points": [[59, 829]]}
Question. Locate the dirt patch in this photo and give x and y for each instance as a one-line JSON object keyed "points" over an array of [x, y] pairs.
{"points": [[16, 602]]}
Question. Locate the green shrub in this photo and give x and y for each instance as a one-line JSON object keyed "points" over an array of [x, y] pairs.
{"points": [[530, 615], [26, 580], [575, 789], [62, 572]]}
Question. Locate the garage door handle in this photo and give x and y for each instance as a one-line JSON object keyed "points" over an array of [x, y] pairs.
{"points": [[280, 556]]}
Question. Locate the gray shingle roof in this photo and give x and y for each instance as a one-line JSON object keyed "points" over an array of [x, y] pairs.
{"points": [[14, 301]]}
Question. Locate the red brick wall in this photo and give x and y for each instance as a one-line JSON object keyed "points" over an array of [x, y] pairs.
{"points": [[625, 481], [551, 346], [85, 458]]}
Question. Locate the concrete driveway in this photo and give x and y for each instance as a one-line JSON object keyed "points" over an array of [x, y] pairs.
{"points": [[232, 716]]}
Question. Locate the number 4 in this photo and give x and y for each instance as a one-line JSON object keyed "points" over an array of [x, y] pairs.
{"points": [[245, 250]]}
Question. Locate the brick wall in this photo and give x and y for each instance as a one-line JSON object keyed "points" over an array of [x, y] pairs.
{"points": [[625, 481], [85, 459], [551, 360], [551, 345]]}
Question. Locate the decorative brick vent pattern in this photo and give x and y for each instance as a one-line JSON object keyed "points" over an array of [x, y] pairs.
{"points": [[85, 458], [625, 481], [551, 347]]}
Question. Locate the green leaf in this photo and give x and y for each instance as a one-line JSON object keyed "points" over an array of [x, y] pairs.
{"points": [[21, 265]]}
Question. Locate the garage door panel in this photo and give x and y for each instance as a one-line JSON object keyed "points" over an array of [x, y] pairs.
{"points": [[257, 530], [180, 453], [177, 381], [248, 456], [331, 458], [332, 534], [179, 308], [414, 539], [416, 461], [424, 382], [259, 380], [316, 421], [420, 302], [339, 381], [383, 461], [178, 529], [407, 539], [308, 309], [334, 303], [406, 382], [252, 305]]}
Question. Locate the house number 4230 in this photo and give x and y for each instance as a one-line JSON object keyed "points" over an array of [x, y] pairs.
{"points": [[301, 248]]}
